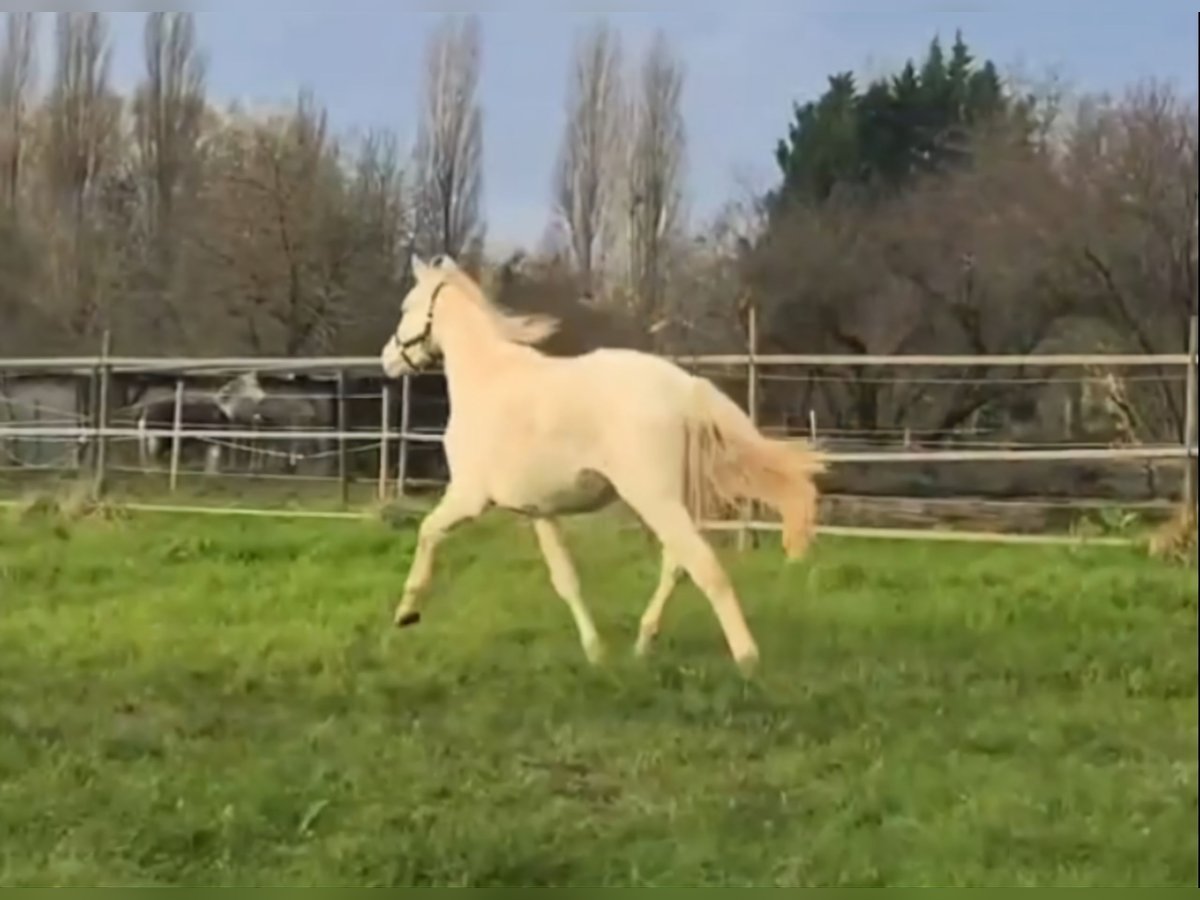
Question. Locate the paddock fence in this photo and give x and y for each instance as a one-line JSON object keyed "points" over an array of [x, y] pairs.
{"points": [[329, 434]]}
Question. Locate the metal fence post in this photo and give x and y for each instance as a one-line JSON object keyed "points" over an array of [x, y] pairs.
{"points": [[748, 507], [342, 461], [385, 425], [405, 418], [176, 434], [100, 431], [1190, 413]]}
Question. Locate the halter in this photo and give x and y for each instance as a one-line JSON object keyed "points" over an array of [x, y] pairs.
{"points": [[422, 338]]}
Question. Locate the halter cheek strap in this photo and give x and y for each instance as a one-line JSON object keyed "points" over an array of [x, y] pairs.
{"points": [[422, 338]]}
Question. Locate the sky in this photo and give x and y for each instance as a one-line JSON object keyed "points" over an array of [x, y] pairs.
{"points": [[746, 62]]}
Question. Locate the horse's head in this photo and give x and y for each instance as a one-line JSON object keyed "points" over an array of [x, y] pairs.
{"points": [[239, 398], [415, 343], [412, 345]]}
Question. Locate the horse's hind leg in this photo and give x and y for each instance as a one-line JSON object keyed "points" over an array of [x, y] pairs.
{"points": [[670, 522], [453, 509], [566, 583], [668, 578], [142, 440]]}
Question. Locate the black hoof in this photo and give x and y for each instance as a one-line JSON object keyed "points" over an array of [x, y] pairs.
{"points": [[409, 618]]}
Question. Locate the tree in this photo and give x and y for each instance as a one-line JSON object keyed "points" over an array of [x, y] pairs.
{"points": [[303, 237], [168, 110], [82, 143], [914, 216], [822, 148], [275, 231], [168, 114], [964, 263], [917, 122], [588, 168], [1130, 247], [183, 227], [380, 235], [17, 58], [449, 152], [654, 188], [17, 69]]}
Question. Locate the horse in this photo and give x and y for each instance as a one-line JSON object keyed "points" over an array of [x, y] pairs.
{"points": [[159, 414], [282, 408], [548, 437]]}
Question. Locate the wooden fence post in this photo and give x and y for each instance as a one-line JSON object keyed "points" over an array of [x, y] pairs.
{"points": [[101, 422], [385, 425], [405, 418], [176, 434], [1190, 413], [342, 461]]}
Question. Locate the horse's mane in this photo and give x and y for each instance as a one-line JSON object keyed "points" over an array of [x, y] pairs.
{"points": [[520, 328]]}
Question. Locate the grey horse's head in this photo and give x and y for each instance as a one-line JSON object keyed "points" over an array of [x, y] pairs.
{"points": [[240, 397]]}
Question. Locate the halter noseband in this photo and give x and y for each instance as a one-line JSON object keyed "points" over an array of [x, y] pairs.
{"points": [[422, 338]]}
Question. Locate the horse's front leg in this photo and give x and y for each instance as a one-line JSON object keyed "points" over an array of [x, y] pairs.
{"points": [[455, 507]]}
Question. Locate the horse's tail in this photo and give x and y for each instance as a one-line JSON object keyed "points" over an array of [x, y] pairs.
{"points": [[728, 460]]}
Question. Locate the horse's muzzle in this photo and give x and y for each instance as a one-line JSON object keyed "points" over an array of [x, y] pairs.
{"points": [[392, 360]]}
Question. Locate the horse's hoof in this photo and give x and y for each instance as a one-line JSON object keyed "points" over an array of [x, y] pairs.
{"points": [[748, 664], [594, 652], [409, 618]]}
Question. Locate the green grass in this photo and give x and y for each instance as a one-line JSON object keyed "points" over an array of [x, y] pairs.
{"points": [[223, 701]]}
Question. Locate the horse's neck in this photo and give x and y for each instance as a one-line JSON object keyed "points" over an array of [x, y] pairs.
{"points": [[472, 349]]}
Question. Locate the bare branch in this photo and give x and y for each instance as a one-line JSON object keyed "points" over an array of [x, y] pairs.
{"points": [[450, 143], [168, 110], [585, 179], [17, 60], [654, 189], [81, 144]]}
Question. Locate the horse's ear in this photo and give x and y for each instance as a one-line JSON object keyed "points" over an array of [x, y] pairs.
{"points": [[419, 266]]}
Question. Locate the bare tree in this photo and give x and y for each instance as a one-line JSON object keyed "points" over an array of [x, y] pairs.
{"points": [[654, 189], [81, 134], [963, 262], [168, 111], [585, 180], [168, 115], [82, 112], [450, 143], [16, 86], [380, 234], [279, 232], [1132, 169]]}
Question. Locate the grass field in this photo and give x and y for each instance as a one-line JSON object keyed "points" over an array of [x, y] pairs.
{"points": [[222, 701]]}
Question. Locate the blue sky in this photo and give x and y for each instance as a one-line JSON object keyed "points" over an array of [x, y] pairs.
{"points": [[746, 62]]}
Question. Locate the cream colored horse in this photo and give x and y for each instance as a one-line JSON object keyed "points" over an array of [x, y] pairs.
{"points": [[551, 436]]}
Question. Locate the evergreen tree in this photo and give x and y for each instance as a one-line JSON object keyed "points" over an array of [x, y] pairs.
{"points": [[917, 121]]}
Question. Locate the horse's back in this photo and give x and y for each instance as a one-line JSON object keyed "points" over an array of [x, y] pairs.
{"points": [[618, 400], [629, 386], [619, 367]]}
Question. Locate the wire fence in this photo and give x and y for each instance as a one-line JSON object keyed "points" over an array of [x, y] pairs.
{"points": [[336, 421]]}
